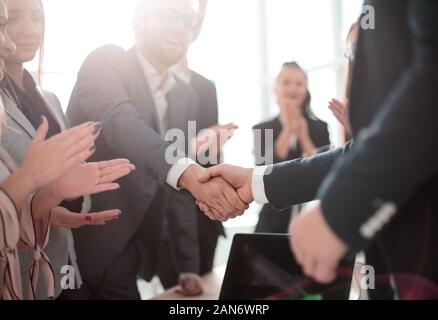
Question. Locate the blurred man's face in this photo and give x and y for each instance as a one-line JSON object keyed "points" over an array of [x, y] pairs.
{"points": [[167, 31]]}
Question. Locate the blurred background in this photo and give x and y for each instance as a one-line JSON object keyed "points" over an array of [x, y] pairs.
{"points": [[242, 47]]}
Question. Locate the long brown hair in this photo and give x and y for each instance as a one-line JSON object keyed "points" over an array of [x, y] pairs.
{"points": [[307, 110]]}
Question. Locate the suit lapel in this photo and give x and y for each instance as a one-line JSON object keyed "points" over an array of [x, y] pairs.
{"points": [[143, 92], [16, 115], [176, 118], [50, 105], [181, 110]]}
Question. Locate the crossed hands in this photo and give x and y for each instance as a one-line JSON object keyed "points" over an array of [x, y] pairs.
{"points": [[315, 246]]}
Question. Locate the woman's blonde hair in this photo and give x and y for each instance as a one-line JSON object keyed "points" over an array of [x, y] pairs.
{"points": [[41, 51]]}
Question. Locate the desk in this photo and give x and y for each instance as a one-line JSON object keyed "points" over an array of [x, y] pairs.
{"points": [[211, 283]]}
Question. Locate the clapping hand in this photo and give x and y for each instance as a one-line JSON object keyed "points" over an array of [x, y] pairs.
{"points": [[213, 139], [47, 160], [341, 112], [62, 217], [91, 178], [290, 117]]}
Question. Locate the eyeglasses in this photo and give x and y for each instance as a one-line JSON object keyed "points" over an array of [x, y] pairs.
{"points": [[172, 18]]}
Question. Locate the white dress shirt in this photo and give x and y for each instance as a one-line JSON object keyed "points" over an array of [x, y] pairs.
{"points": [[161, 85], [258, 185], [182, 71]]}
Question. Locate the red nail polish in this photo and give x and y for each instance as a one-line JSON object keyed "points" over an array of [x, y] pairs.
{"points": [[88, 218]]}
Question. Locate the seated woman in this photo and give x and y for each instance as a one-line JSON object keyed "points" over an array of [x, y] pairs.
{"points": [[36, 175], [297, 133]]}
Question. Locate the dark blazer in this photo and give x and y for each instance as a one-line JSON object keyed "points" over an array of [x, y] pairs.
{"points": [[188, 240], [208, 111], [270, 219], [113, 89], [208, 116], [393, 106], [318, 132]]}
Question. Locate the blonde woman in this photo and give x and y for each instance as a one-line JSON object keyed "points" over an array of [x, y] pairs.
{"points": [[51, 171]]}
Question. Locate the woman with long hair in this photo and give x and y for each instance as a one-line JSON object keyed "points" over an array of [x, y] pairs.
{"points": [[39, 174], [297, 133]]}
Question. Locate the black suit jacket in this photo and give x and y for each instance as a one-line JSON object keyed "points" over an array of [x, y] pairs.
{"points": [[112, 88], [208, 111], [393, 159], [187, 225], [318, 132], [208, 116]]}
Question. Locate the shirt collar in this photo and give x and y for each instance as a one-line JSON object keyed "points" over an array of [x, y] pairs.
{"points": [[182, 71], [157, 82]]}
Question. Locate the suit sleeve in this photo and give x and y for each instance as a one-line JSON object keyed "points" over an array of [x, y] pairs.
{"points": [[396, 155], [102, 95], [294, 182]]}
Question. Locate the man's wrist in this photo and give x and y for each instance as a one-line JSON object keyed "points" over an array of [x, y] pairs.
{"points": [[190, 175], [176, 172], [250, 183]]}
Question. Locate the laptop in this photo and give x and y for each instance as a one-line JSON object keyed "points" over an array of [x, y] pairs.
{"points": [[262, 267]]}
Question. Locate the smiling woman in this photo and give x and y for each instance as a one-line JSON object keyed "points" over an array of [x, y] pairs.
{"points": [[26, 11], [35, 113], [7, 47]]}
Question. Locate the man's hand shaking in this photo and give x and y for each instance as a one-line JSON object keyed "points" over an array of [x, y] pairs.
{"points": [[222, 192], [316, 247]]}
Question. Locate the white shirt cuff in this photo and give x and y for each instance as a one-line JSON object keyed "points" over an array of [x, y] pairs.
{"points": [[258, 185], [177, 170]]}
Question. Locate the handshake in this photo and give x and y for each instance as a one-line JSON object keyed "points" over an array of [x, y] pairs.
{"points": [[222, 192]]}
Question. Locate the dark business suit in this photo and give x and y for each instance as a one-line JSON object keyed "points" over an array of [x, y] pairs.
{"points": [[191, 247], [112, 88], [208, 116], [393, 105], [270, 219]]}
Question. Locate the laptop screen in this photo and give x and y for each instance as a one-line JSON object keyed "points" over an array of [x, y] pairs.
{"points": [[262, 267]]}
